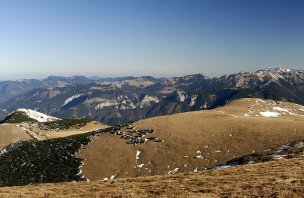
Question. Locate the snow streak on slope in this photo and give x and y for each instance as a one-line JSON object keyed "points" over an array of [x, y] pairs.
{"points": [[70, 99]]}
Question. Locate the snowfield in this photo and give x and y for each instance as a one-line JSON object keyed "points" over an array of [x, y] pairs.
{"points": [[270, 108], [40, 117], [284, 110], [269, 114]]}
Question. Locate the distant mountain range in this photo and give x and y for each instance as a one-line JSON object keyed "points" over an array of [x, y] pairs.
{"points": [[121, 100], [10, 88]]}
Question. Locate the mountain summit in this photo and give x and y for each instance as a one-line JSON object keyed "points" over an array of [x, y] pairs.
{"points": [[27, 115]]}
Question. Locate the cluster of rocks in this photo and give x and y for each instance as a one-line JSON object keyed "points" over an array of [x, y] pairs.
{"points": [[133, 136]]}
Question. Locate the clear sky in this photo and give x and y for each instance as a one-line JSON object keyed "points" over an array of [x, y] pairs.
{"points": [[148, 37]]}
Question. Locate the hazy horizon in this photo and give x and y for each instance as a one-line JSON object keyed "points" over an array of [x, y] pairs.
{"points": [[140, 37], [41, 77]]}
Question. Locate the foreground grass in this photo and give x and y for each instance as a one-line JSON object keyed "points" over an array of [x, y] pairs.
{"points": [[283, 178]]}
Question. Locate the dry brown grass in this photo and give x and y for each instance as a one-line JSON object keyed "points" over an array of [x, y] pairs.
{"points": [[220, 134], [9, 133], [282, 178], [91, 126]]}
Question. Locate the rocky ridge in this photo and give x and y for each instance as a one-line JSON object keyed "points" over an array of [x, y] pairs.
{"points": [[131, 99]]}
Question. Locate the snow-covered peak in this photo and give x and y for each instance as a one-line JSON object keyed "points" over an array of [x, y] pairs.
{"points": [[40, 117], [262, 78], [279, 70]]}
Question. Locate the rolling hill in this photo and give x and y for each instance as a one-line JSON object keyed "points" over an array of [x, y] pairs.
{"points": [[196, 140], [26, 124], [166, 145]]}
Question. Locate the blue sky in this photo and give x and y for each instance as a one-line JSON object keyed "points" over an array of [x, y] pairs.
{"points": [[145, 37]]}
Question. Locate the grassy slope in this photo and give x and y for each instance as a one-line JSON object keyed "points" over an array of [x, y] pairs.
{"points": [[282, 178], [9, 133], [221, 135]]}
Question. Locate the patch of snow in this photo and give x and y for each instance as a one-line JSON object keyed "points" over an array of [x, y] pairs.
{"points": [[181, 96], [113, 177], [70, 99], [140, 165], [280, 109], [204, 106], [269, 114], [80, 169], [79, 173], [173, 171], [199, 154], [193, 100], [137, 154], [195, 170], [284, 110], [3, 151], [40, 117]]}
